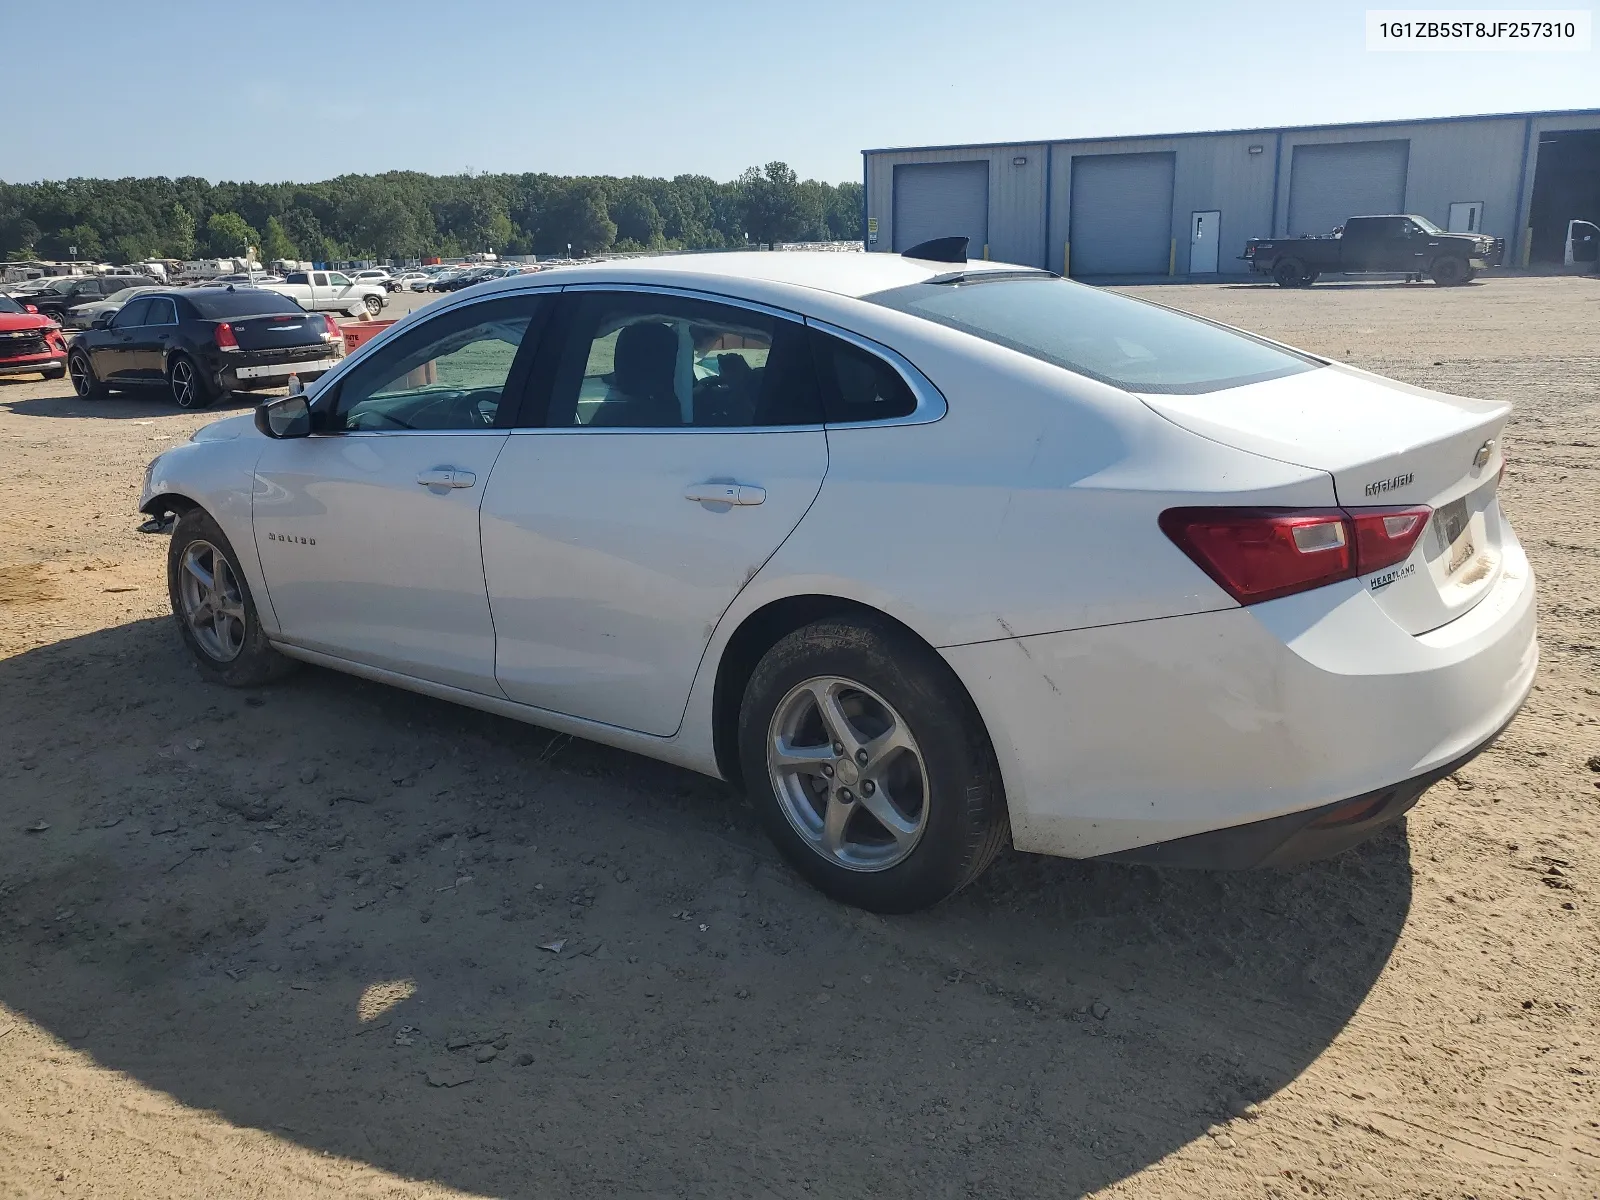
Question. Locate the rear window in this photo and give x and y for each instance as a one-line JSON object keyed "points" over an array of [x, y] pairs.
{"points": [[1127, 343], [244, 302]]}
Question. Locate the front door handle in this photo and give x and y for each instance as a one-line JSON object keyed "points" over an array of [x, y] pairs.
{"points": [[446, 477], [725, 493]]}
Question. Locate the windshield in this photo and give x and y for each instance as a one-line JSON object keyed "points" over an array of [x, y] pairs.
{"points": [[126, 294], [1427, 225], [1129, 344], [8, 305]]}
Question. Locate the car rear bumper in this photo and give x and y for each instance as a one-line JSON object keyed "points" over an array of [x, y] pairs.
{"points": [[1127, 737], [247, 369]]}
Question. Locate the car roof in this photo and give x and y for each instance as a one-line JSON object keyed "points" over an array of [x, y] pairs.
{"points": [[843, 273]]}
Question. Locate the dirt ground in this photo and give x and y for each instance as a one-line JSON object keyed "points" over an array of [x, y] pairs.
{"points": [[300, 942]]}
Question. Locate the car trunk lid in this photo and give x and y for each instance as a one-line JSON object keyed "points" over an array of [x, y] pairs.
{"points": [[1384, 444], [274, 331]]}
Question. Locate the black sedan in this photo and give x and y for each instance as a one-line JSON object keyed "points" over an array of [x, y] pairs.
{"points": [[201, 343]]}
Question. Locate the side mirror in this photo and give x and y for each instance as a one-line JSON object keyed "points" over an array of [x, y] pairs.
{"points": [[33, 308], [102, 320], [284, 417]]}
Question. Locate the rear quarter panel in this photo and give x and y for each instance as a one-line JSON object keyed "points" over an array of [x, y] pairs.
{"points": [[1029, 507]]}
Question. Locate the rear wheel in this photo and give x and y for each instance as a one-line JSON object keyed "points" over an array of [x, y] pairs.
{"points": [[212, 605], [188, 385], [869, 766], [1288, 273], [1449, 271], [84, 381]]}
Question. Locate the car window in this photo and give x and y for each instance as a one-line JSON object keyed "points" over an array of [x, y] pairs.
{"points": [[857, 385], [449, 373], [1129, 344], [131, 314], [221, 304], [8, 305], [162, 312], [297, 277], [320, 279], [338, 280], [645, 361]]}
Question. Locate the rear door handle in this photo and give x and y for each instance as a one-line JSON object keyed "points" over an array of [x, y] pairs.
{"points": [[446, 477], [725, 493]]}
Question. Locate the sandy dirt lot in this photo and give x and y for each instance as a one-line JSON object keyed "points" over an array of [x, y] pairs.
{"points": [[292, 943]]}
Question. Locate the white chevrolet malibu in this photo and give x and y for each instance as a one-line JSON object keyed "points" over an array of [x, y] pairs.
{"points": [[920, 552]]}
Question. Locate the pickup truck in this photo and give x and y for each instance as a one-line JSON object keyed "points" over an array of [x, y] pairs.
{"points": [[329, 291], [1407, 244]]}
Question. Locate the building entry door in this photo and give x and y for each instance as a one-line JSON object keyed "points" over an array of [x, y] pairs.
{"points": [[1466, 217], [1203, 230]]}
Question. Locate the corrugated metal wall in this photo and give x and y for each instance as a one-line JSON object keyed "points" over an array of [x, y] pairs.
{"points": [[1489, 159]]}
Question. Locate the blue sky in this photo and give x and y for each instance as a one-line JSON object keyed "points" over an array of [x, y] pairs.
{"points": [[298, 90]]}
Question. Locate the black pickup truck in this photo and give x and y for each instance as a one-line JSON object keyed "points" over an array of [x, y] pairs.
{"points": [[1370, 245]]}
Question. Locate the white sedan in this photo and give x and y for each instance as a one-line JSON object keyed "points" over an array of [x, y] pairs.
{"points": [[922, 553]]}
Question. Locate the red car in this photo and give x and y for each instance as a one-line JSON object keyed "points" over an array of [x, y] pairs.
{"points": [[30, 343]]}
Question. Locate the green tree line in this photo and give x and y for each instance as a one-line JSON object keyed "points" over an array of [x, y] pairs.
{"points": [[403, 214]]}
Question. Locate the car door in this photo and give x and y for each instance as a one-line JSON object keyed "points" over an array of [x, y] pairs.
{"points": [[339, 291], [368, 529], [681, 442], [113, 352], [147, 351]]}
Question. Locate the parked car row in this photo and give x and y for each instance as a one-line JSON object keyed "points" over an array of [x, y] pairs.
{"points": [[197, 344]]}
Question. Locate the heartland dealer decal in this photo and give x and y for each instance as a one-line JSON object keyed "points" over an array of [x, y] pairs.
{"points": [[1379, 486], [1388, 577]]}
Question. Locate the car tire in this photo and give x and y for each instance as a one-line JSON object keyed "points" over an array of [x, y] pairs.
{"points": [[1288, 272], [220, 625], [1449, 271], [947, 817], [374, 305], [187, 384], [84, 381]]}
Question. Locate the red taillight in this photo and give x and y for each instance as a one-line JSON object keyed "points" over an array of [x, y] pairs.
{"points": [[225, 338], [333, 334], [1257, 554]]}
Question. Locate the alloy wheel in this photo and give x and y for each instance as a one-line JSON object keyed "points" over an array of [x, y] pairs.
{"points": [[213, 601], [183, 383], [848, 774], [78, 368]]}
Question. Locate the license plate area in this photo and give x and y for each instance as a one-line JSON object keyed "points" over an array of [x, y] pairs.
{"points": [[1452, 524]]}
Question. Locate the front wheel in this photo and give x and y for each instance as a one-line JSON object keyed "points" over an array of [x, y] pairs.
{"points": [[869, 766], [1288, 273], [1449, 271], [187, 385], [213, 608], [84, 381], [374, 305]]}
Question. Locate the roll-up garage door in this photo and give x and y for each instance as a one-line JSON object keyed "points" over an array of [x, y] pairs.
{"points": [[1121, 214], [1332, 182], [948, 199]]}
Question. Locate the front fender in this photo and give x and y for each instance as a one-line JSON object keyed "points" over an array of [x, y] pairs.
{"points": [[216, 472]]}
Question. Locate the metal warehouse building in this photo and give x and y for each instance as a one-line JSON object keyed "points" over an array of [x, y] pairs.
{"points": [[1186, 203]]}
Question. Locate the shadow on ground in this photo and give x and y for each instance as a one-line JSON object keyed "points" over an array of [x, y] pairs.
{"points": [[286, 906], [136, 402]]}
